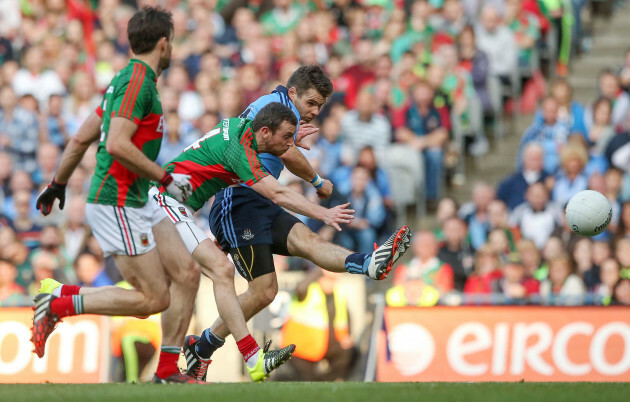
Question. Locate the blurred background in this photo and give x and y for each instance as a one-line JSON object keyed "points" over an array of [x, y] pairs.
{"points": [[472, 121]]}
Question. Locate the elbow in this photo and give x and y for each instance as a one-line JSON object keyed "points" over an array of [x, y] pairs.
{"points": [[113, 149], [277, 196]]}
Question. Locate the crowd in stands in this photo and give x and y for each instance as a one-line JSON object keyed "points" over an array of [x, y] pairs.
{"points": [[430, 77]]}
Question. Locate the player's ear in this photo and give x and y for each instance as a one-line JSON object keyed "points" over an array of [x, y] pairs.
{"points": [[292, 94]]}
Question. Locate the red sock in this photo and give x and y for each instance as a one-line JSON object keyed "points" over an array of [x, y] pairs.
{"points": [[63, 306], [70, 290], [167, 365], [248, 347]]}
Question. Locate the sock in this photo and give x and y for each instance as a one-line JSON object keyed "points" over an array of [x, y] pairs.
{"points": [[209, 342], [248, 348], [357, 263], [167, 365], [67, 290], [67, 305]]}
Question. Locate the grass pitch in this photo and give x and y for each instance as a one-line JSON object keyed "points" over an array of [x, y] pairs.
{"points": [[306, 392]]}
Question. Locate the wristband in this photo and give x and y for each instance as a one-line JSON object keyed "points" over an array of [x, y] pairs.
{"points": [[166, 179], [55, 184], [317, 182]]}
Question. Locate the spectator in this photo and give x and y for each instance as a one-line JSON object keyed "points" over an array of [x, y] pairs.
{"points": [[35, 79], [75, 229], [60, 124], [51, 242], [536, 218], [583, 262], [624, 73], [47, 158], [487, 269], [10, 292], [600, 134], [6, 168], [19, 131], [550, 133], [621, 293], [329, 145], [90, 271], [425, 265], [446, 209], [456, 252], [173, 143], [570, 112], [378, 178], [362, 127], [426, 135], [369, 214], [515, 285], [498, 220], [20, 182], [25, 227], [500, 243], [608, 276], [282, 18], [496, 40], [571, 179], [476, 63], [563, 287], [530, 257], [44, 266], [475, 214], [609, 88], [524, 27]]}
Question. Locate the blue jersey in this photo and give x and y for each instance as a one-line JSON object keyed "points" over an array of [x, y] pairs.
{"points": [[272, 163]]}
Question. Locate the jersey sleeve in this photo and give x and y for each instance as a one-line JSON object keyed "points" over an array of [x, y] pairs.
{"points": [[132, 101], [249, 167]]}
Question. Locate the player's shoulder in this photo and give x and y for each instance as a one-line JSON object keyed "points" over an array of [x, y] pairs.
{"points": [[136, 76]]}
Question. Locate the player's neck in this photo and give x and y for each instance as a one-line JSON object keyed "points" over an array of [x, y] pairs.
{"points": [[152, 60]]}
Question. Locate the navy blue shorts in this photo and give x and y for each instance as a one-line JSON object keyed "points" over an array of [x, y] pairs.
{"points": [[241, 217]]}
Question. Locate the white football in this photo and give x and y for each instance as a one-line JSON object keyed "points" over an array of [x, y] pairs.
{"points": [[588, 213]]}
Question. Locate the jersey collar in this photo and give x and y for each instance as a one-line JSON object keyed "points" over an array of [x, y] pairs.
{"points": [[150, 71]]}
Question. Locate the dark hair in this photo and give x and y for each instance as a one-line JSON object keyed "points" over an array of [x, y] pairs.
{"points": [[147, 27], [312, 76], [272, 116], [600, 101]]}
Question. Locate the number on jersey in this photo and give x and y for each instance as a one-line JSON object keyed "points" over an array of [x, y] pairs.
{"points": [[197, 144]]}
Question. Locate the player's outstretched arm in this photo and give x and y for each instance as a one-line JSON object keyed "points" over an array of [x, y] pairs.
{"points": [[292, 200], [88, 133], [297, 164]]}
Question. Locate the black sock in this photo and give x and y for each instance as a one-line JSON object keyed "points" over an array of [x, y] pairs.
{"points": [[208, 343]]}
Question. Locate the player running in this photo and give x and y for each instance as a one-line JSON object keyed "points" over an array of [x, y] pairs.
{"points": [[249, 224], [129, 122]]}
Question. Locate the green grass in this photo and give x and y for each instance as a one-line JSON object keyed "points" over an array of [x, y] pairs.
{"points": [[306, 392]]}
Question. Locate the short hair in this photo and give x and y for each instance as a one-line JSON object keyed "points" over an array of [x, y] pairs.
{"points": [[312, 76], [147, 27], [272, 116]]}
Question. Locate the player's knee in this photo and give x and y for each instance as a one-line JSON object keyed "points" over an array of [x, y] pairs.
{"points": [[223, 272], [266, 295], [189, 275], [155, 304]]}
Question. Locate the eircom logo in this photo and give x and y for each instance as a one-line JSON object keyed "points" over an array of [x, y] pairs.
{"points": [[505, 346], [73, 351]]}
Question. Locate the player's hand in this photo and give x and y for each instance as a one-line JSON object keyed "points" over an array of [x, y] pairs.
{"points": [[304, 131], [47, 197], [339, 214], [325, 190], [179, 186]]}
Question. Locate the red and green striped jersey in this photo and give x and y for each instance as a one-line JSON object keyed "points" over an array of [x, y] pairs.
{"points": [[226, 155], [132, 94]]}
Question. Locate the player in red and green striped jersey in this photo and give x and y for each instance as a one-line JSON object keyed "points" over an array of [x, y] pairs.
{"points": [[129, 123], [228, 155]]}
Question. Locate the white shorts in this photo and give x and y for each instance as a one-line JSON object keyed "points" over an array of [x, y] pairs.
{"points": [[122, 230], [181, 216]]}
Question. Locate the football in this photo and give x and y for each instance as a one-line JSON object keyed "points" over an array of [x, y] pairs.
{"points": [[588, 213]]}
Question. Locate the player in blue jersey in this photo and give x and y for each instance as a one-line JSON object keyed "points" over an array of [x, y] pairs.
{"points": [[252, 228]]}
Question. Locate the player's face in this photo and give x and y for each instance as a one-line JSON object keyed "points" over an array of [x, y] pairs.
{"points": [[282, 139], [309, 104]]}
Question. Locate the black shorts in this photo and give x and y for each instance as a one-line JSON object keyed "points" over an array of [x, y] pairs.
{"points": [[251, 228]]}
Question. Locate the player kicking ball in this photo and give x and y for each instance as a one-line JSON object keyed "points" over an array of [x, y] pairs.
{"points": [[228, 155], [249, 223]]}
